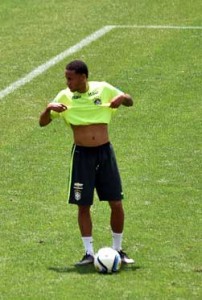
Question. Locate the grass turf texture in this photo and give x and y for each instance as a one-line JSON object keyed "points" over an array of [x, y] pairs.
{"points": [[157, 145]]}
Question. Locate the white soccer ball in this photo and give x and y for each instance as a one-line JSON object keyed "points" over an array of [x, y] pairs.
{"points": [[107, 260]]}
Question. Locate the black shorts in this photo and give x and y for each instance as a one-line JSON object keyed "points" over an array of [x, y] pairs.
{"points": [[94, 168]]}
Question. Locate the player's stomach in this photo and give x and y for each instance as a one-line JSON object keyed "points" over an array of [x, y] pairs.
{"points": [[90, 135]]}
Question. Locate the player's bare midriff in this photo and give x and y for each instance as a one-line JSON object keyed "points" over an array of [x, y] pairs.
{"points": [[90, 135]]}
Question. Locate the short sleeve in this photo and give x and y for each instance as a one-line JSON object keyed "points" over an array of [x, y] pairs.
{"points": [[112, 91], [61, 97]]}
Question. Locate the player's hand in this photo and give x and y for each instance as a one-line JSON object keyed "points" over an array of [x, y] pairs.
{"points": [[58, 107], [117, 101], [124, 99]]}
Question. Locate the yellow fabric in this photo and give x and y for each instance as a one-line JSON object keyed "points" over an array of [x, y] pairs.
{"points": [[87, 108]]}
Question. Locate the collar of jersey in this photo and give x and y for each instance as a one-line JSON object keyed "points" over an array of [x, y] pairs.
{"points": [[80, 94]]}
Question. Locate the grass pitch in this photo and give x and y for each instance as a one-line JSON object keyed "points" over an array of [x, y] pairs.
{"points": [[157, 143]]}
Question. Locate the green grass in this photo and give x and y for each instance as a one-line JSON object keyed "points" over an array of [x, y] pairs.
{"points": [[157, 143]]}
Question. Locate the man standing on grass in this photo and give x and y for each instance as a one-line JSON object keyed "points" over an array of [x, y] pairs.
{"points": [[87, 107]]}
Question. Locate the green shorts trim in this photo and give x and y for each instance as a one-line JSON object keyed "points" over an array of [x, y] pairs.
{"points": [[94, 168]]}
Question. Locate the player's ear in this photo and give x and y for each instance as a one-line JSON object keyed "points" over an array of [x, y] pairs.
{"points": [[84, 77]]}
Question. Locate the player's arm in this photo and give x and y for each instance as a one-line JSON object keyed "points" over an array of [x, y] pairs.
{"points": [[127, 101], [45, 117], [122, 99]]}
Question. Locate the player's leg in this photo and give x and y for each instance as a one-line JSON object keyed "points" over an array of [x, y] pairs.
{"points": [[117, 216], [85, 226], [81, 191], [109, 187], [84, 220], [117, 224]]}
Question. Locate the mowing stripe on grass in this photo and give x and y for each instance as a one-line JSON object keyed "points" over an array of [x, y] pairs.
{"points": [[42, 68], [86, 41]]}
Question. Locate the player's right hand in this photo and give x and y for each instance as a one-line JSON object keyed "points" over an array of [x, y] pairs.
{"points": [[58, 107]]}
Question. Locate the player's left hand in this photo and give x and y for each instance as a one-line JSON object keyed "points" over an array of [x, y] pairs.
{"points": [[117, 101]]}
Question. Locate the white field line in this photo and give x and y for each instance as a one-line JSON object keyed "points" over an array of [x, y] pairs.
{"points": [[53, 61], [77, 47], [159, 27]]}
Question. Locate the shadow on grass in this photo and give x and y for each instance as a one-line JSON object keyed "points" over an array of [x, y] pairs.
{"points": [[88, 269]]}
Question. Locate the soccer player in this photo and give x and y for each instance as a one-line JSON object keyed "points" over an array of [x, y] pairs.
{"points": [[87, 107]]}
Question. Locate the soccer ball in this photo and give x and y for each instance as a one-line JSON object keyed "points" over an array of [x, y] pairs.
{"points": [[107, 260]]}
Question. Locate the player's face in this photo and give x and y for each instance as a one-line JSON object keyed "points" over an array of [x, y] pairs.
{"points": [[75, 82]]}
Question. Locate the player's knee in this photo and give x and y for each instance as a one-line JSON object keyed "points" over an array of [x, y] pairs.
{"points": [[83, 209], [116, 205]]}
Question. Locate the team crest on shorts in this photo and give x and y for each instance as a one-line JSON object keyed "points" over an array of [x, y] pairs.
{"points": [[77, 195], [78, 187]]}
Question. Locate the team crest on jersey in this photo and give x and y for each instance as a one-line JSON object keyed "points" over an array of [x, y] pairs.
{"points": [[97, 101]]}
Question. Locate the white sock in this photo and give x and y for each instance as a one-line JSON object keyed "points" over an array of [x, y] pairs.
{"points": [[88, 244], [117, 241]]}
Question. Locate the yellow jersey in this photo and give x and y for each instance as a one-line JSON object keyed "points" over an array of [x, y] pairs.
{"points": [[91, 107]]}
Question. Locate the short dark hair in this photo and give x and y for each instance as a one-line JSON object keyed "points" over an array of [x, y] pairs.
{"points": [[78, 66]]}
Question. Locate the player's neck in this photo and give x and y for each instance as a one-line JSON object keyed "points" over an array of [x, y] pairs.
{"points": [[84, 88]]}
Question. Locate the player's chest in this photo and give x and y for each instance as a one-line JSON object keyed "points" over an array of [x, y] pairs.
{"points": [[90, 98]]}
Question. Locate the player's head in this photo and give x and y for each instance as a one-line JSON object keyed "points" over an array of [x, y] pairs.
{"points": [[78, 66], [76, 73]]}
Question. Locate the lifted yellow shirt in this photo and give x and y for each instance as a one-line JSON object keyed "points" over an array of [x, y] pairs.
{"points": [[87, 108]]}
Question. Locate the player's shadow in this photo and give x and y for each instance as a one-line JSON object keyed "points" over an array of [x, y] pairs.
{"points": [[88, 269], [74, 269]]}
